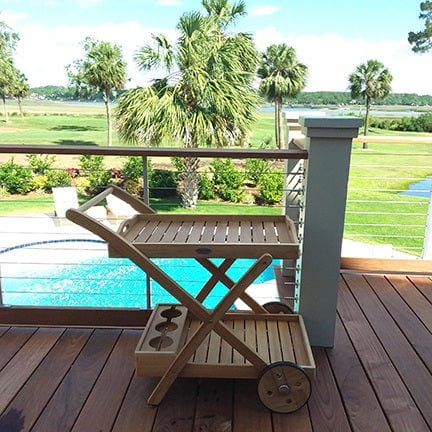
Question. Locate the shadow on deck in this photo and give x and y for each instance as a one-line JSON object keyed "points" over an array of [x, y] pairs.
{"points": [[376, 378]]}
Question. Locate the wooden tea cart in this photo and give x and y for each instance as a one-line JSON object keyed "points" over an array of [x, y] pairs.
{"points": [[189, 340]]}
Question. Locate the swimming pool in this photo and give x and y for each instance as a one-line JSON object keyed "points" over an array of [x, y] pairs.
{"points": [[106, 282]]}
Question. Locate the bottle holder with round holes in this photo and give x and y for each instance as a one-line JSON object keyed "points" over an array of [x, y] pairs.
{"points": [[161, 340]]}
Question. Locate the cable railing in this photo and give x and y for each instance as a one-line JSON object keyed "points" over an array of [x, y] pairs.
{"points": [[46, 260], [388, 198]]}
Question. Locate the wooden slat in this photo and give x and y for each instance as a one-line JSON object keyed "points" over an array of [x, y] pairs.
{"points": [[214, 406], [262, 342], [386, 265], [258, 232], [44, 381], [300, 352], [135, 414], [249, 414], [325, 405], [274, 341], [25, 362], [410, 367], [65, 316], [103, 403], [176, 411], [391, 391], [362, 406], [196, 233], [286, 344], [65, 405], [270, 234], [12, 341], [424, 285], [418, 335]]}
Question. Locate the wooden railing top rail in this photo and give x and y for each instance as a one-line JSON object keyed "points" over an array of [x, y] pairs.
{"points": [[154, 151]]}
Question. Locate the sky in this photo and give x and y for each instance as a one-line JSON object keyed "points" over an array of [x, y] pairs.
{"points": [[332, 37]]}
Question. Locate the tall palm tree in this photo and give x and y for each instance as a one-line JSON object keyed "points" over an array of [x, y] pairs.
{"points": [[20, 89], [281, 76], [205, 97], [371, 80], [102, 68]]}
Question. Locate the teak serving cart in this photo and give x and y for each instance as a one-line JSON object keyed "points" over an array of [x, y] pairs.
{"points": [[189, 340]]}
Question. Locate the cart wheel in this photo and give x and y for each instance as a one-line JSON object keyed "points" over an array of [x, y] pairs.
{"points": [[276, 307], [283, 387]]}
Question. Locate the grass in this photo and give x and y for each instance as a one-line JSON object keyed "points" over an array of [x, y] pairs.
{"points": [[376, 212]]}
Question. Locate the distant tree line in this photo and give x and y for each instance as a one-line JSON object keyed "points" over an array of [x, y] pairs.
{"points": [[52, 92], [344, 98]]}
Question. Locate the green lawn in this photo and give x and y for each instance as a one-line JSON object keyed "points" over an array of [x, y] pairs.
{"points": [[390, 217]]}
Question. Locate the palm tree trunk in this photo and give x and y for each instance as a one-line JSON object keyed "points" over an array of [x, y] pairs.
{"points": [[279, 123], [190, 190], [108, 116], [366, 123], [276, 125]]}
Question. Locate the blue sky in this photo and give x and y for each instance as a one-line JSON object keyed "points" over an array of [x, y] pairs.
{"points": [[331, 37]]}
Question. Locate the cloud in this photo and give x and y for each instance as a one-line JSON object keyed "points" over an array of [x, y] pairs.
{"points": [[263, 10], [331, 59], [42, 54], [11, 18]]}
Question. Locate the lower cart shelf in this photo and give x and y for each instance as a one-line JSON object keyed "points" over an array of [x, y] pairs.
{"points": [[274, 337]]}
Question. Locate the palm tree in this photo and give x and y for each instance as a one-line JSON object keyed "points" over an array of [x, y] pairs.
{"points": [[370, 81], [281, 76], [103, 69], [20, 89], [205, 97]]}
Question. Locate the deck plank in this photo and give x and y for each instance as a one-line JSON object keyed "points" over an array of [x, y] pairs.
{"points": [[47, 377], [394, 396], [325, 405], [214, 406], [60, 379], [362, 406], [65, 405], [103, 403], [414, 329], [25, 362], [11, 342]]}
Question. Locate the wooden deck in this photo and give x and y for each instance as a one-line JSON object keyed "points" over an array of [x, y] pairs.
{"points": [[378, 377]]}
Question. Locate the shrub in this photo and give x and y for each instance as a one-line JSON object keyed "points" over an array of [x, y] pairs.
{"points": [[91, 163], [15, 178], [83, 185], [178, 164], [206, 187], [40, 164], [57, 178], [133, 187], [255, 169], [162, 183], [98, 180], [228, 180], [132, 168], [271, 188], [40, 181]]}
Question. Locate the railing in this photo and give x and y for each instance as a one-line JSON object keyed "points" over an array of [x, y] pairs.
{"points": [[328, 142], [388, 197]]}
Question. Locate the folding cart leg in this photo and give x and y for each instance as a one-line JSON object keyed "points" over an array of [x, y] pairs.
{"points": [[210, 322], [219, 275]]}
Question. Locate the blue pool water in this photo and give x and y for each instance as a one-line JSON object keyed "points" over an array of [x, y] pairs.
{"points": [[106, 282], [420, 189]]}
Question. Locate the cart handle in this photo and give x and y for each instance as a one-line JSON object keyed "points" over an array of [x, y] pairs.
{"points": [[135, 203]]}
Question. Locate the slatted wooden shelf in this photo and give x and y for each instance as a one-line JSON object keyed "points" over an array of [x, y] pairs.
{"points": [[274, 337], [227, 236]]}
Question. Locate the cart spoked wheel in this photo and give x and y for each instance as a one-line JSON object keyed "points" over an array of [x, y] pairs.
{"points": [[284, 387], [276, 307]]}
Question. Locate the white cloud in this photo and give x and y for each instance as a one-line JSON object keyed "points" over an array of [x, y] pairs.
{"points": [[263, 10], [331, 58], [42, 54], [11, 18]]}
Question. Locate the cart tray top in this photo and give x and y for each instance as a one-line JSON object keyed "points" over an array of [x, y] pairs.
{"points": [[197, 236]]}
